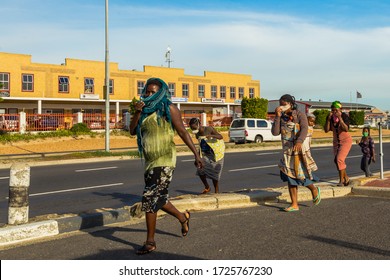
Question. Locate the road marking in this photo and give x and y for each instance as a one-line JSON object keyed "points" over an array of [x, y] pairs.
{"points": [[272, 153], [78, 189], [354, 156], [96, 169], [250, 168], [187, 160], [4, 178]]}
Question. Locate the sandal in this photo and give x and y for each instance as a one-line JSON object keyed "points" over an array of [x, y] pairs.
{"points": [[185, 226], [206, 190], [149, 246], [317, 199], [290, 209], [346, 183]]}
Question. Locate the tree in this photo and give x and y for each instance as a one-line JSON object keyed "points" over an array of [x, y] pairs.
{"points": [[321, 116], [254, 108], [356, 117]]}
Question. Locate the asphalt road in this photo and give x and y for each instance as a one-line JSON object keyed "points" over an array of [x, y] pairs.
{"points": [[73, 188], [347, 228]]}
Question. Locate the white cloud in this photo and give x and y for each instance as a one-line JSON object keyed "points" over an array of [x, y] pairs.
{"points": [[287, 54]]}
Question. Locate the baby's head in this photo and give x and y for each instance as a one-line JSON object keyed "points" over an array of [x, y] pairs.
{"points": [[311, 119]]}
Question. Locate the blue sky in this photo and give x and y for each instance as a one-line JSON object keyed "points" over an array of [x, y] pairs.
{"points": [[315, 50]]}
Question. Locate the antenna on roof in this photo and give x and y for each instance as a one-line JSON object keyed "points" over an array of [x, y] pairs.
{"points": [[168, 57]]}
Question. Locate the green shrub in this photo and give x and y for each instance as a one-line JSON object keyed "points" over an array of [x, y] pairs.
{"points": [[80, 128]]}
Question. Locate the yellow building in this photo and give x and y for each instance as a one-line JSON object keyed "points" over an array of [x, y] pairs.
{"points": [[77, 85]]}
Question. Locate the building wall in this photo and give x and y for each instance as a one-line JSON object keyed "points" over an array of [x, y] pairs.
{"points": [[125, 81]]}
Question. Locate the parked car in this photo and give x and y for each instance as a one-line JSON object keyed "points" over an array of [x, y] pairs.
{"points": [[244, 130], [8, 122]]}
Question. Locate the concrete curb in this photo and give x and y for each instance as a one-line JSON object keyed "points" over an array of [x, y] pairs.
{"points": [[11, 235]]}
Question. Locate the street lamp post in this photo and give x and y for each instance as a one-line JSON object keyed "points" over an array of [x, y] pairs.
{"points": [[107, 86]]}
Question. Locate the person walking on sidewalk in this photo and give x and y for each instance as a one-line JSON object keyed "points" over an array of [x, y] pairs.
{"points": [[366, 143], [212, 149], [338, 122], [296, 166], [154, 123]]}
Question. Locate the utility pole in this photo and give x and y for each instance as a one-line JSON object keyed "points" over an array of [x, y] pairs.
{"points": [[107, 86]]}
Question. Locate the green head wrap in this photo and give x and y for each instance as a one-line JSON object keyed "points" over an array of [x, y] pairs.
{"points": [[336, 104]]}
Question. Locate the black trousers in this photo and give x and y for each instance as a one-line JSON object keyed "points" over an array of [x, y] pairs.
{"points": [[365, 165]]}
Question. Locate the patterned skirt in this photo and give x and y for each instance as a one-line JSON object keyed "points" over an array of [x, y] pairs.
{"points": [[155, 194], [211, 169]]}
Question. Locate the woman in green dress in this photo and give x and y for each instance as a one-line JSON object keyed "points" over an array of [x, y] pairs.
{"points": [[154, 123]]}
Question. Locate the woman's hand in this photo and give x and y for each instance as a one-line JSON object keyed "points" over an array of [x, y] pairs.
{"points": [[139, 105], [198, 162], [298, 147], [278, 111]]}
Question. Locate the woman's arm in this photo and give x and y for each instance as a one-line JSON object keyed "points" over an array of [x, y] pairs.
{"points": [[182, 132], [327, 123], [214, 134], [134, 121]]}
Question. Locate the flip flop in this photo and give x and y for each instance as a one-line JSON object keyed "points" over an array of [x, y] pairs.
{"points": [[317, 199], [290, 209], [205, 191]]}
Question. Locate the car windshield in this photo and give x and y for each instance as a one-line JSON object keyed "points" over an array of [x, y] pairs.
{"points": [[238, 123]]}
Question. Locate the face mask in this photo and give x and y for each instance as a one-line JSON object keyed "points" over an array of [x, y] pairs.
{"points": [[365, 134], [285, 107], [195, 131]]}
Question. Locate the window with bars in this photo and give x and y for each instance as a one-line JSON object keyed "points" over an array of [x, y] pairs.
{"points": [[232, 92], [27, 82], [171, 87], [213, 91], [201, 91], [240, 92], [111, 86], [88, 85], [4, 81], [140, 87], [251, 92], [185, 90], [222, 91], [63, 84]]}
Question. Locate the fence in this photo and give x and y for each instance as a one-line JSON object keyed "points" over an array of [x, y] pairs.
{"points": [[49, 122]]}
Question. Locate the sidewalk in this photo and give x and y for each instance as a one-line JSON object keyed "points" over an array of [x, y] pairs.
{"points": [[51, 225]]}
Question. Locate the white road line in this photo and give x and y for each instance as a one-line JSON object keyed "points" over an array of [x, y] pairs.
{"points": [[187, 160], [355, 156], [272, 153], [4, 178], [96, 169], [250, 168], [78, 189]]}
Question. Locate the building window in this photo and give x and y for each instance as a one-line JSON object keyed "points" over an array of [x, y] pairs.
{"points": [[185, 90], [111, 87], [88, 85], [222, 91], [171, 87], [27, 82], [251, 92], [4, 82], [240, 92], [213, 91], [200, 90], [140, 87], [63, 84], [232, 92]]}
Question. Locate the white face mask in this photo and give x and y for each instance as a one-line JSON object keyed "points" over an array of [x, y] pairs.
{"points": [[195, 131], [285, 107]]}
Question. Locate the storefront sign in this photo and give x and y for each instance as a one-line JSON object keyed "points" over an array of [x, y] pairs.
{"points": [[213, 100], [89, 96], [179, 99], [4, 94]]}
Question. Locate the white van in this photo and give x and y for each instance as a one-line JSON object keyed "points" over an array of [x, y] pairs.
{"points": [[244, 130]]}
